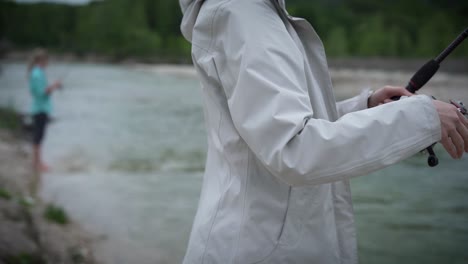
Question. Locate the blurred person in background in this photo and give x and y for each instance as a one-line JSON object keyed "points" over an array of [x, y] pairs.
{"points": [[281, 149], [41, 92]]}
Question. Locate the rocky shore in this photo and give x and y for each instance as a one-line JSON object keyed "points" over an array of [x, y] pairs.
{"points": [[30, 230]]}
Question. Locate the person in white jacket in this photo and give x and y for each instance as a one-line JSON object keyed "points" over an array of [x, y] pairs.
{"points": [[280, 148]]}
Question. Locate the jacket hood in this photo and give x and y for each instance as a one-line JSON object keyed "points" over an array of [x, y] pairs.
{"points": [[190, 11]]}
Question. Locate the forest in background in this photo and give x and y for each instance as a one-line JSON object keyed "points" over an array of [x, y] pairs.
{"points": [[149, 29]]}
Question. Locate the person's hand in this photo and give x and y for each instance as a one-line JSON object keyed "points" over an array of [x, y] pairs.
{"points": [[54, 86], [57, 84], [454, 129], [384, 95]]}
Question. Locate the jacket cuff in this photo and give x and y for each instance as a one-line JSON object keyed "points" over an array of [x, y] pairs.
{"points": [[432, 117], [364, 98]]}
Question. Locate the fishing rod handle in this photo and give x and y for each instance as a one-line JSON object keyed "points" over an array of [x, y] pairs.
{"points": [[425, 73], [421, 77], [452, 46]]}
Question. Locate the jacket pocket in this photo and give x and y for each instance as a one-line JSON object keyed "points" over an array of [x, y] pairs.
{"points": [[284, 217], [266, 259], [256, 250]]}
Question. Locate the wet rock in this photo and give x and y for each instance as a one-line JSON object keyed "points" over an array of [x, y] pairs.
{"points": [[25, 235], [10, 211], [15, 240]]}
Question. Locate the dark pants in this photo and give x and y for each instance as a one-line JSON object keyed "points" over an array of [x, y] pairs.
{"points": [[39, 127]]}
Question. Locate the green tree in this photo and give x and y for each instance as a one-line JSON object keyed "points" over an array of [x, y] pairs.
{"points": [[149, 29], [371, 38], [336, 43], [435, 35]]}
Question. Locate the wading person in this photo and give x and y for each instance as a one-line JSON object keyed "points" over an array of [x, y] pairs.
{"points": [[41, 103], [281, 150]]}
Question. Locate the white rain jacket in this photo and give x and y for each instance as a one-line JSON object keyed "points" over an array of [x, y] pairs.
{"points": [[280, 148]]}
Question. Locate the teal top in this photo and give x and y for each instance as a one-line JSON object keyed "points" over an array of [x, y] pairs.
{"points": [[37, 86]]}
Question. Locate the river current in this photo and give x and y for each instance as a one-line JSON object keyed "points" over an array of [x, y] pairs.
{"points": [[127, 150]]}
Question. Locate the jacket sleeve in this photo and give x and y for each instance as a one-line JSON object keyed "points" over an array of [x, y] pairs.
{"points": [[262, 74], [353, 104]]}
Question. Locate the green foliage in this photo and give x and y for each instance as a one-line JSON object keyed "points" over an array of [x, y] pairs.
{"points": [[56, 214], [4, 194], [337, 42], [24, 258], [149, 30], [76, 256], [439, 25], [397, 28], [375, 39], [9, 119], [26, 202]]}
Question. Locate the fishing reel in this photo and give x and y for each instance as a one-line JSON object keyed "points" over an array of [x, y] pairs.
{"points": [[461, 107], [432, 160]]}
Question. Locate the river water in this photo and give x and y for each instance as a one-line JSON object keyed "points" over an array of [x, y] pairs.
{"points": [[127, 151]]}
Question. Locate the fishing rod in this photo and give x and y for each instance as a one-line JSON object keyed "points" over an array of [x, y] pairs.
{"points": [[424, 74]]}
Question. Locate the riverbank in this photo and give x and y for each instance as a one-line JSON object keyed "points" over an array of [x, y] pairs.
{"points": [[69, 57], [30, 230], [450, 65]]}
